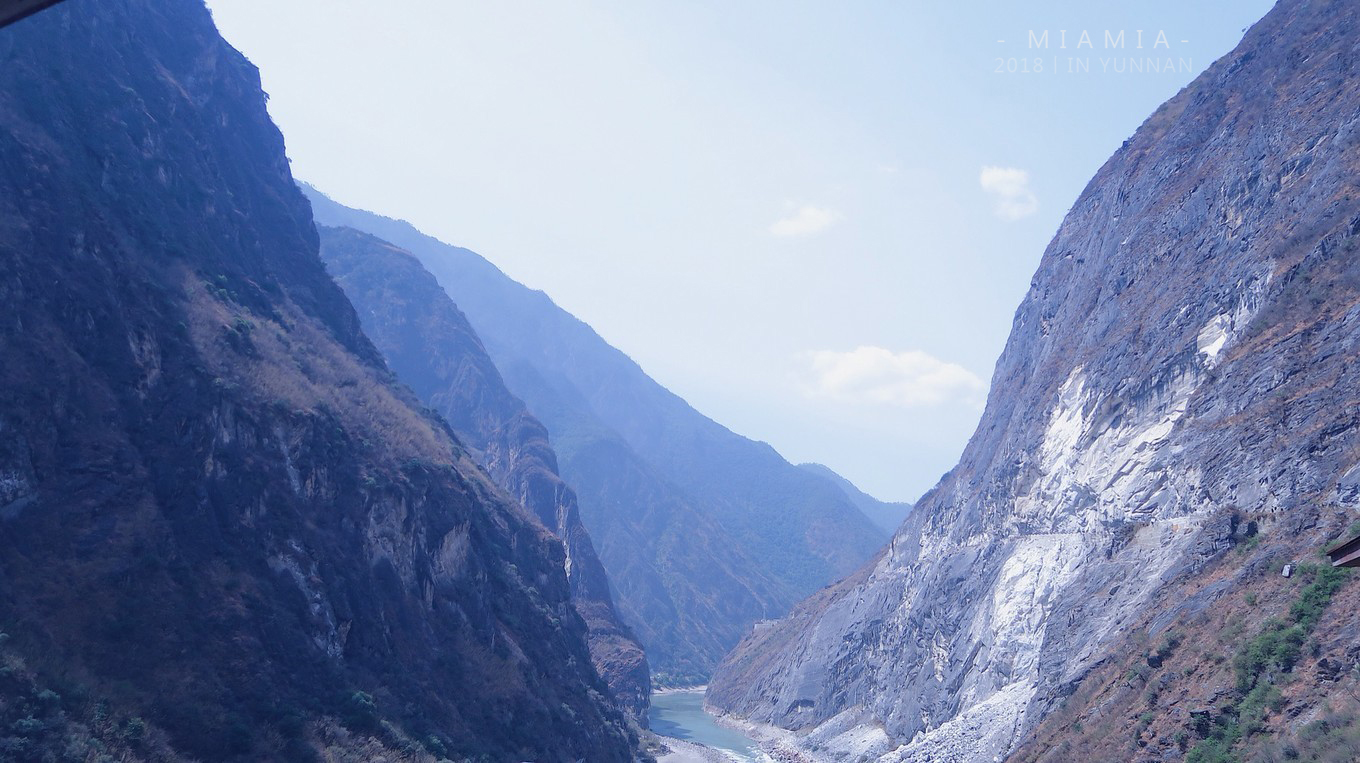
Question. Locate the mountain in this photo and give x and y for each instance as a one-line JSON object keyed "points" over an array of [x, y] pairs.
{"points": [[703, 532], [1180, 380], [226, 532], [688, 588], [428, 343], [888, 515]]}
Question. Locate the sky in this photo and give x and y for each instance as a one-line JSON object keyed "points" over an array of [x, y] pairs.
{"points": [[812, 220]]}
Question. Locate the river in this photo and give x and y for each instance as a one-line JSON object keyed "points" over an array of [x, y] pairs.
{"points": [[680, 714]]}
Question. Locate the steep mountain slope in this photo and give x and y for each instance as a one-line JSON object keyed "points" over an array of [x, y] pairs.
{"points": [[645, 464], [430, 346], [1181, 373], [687, 587], [224, 529], [888, 515], [1236, 663]]}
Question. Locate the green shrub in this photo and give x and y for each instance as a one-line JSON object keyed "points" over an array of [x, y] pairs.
{"points": [[1274, 649], [1326, 581], [359, 712], [1171, 640], [133, 731], [1211, 751], [48, 699], [27, 727], [436, 747]]}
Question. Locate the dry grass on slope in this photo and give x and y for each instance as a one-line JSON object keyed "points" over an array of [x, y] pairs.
{"points": [[293, 361], [1251, 666]]}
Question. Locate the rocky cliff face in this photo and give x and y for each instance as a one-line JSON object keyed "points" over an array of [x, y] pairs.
{"points": [[225, 531], [703, 532], [430, 346], [1181, 373]]}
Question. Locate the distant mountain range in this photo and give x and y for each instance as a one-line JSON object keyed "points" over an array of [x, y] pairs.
{"points": [[703, 532], [886, 514]]}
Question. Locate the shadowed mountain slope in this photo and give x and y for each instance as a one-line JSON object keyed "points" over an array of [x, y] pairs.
{"points": [[430, 346], [226, 532]]}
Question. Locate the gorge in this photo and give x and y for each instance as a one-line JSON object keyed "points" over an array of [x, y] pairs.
{"points": [[285, 479]]}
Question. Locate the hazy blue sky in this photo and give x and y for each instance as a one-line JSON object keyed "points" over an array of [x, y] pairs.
{"points": [[812, 220]]}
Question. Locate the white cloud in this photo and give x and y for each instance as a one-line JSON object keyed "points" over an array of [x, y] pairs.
{"points": [[876, 375], [806, 221], [1009, 189]]}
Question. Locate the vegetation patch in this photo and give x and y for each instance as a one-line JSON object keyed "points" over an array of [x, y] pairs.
{"points": [[1259, 665]]}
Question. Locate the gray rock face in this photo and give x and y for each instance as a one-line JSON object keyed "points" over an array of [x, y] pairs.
{"points": [[1185, 355]]}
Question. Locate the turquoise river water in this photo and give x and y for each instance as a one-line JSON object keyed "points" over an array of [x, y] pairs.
{"points": [[680, 714]]}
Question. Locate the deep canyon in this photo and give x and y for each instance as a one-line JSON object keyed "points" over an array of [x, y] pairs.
{"points": [[285, 479]]}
